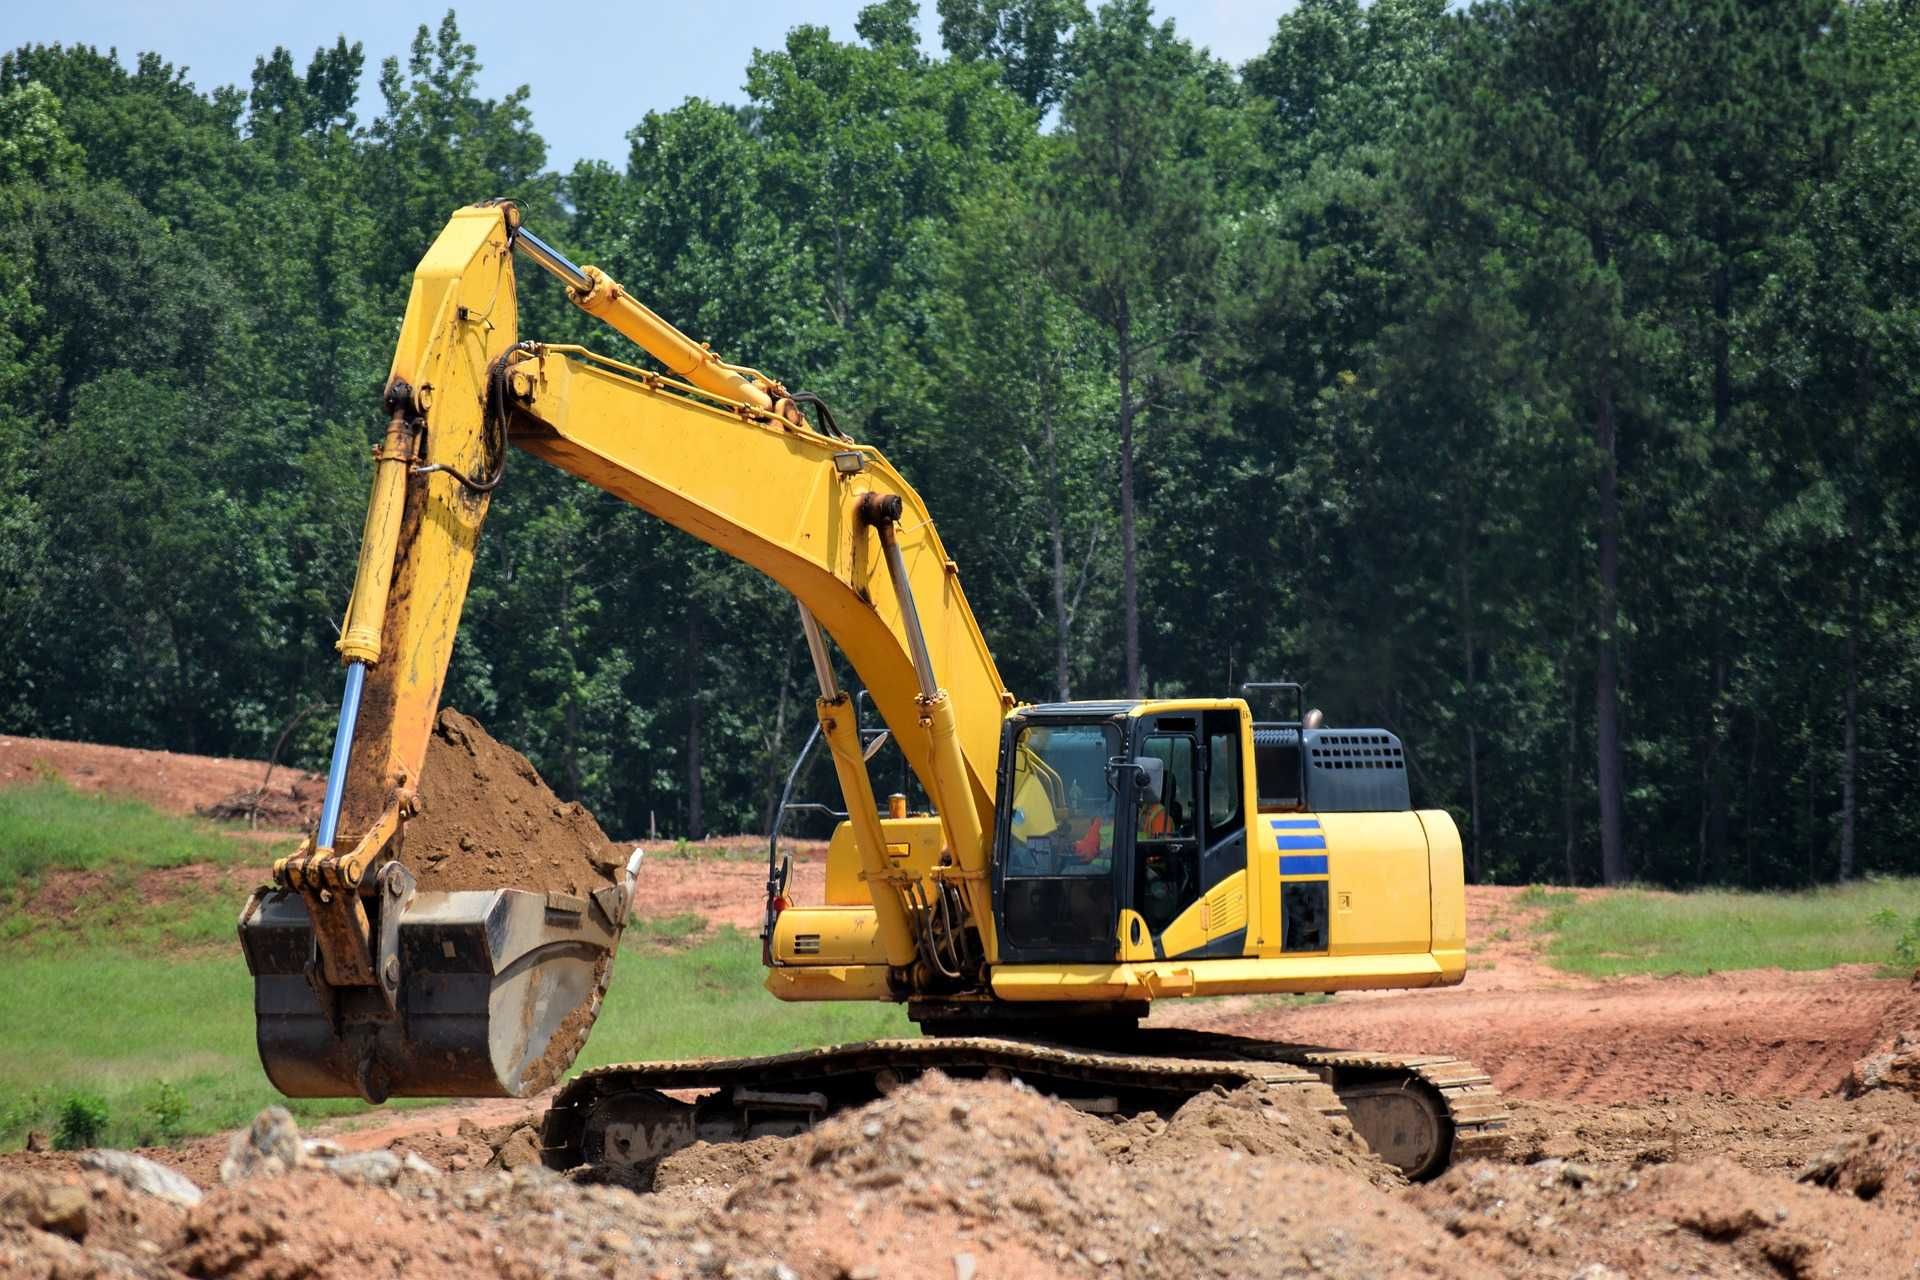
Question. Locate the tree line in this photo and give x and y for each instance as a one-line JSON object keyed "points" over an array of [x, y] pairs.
{"points": [[1537, 380]]}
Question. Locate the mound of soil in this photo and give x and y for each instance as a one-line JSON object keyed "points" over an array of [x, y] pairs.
{"points": [[290, 804], [947, 1179], [1897, 1067], [1254, 1121], [940, 1170], [487, 821], [1711, 1219], [1882, 1166], [1767, 1136]]}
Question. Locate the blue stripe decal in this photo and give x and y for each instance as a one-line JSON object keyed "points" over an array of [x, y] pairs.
{"points": [[1296, 824], [1302, 842], [1304, 864]]}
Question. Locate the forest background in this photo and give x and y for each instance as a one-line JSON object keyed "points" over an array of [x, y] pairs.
{"points": [[1537, 380]]}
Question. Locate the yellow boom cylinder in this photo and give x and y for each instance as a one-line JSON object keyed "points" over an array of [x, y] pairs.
{"points": [[959, 818], [380, 538], [684, 357]]}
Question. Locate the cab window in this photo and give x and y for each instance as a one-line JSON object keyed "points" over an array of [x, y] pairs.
{"points": [[1223, 780], [1170, 814], [1057, 890]]}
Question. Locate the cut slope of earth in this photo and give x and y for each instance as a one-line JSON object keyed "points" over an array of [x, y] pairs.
{"points": [[170, 781]]}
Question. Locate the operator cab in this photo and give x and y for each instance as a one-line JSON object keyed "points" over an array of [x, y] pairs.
{"points": [[1118, 811], [1123, 819]]}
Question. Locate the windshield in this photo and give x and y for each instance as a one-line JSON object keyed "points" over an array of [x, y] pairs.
{"points": [[1062, 815]]}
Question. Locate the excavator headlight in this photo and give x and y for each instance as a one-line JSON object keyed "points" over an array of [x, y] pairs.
{"points": [[850, 462]]}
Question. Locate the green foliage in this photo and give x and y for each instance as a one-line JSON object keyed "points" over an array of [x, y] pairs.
{"points": [[1029, 40], [33, 146], [83, 1118], [1525, 377], [168, 1111], [1906, 947]]}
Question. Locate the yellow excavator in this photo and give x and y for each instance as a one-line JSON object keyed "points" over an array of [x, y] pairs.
{"points": [[1078, 861]]}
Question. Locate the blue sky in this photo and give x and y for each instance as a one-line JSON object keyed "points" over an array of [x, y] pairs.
{"points": [[593, 70]]}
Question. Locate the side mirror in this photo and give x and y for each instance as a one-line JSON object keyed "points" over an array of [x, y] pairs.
{"points": [[1147, 773]]}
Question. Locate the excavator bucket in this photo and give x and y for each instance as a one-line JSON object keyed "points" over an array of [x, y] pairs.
{"points": [[490, 993]]}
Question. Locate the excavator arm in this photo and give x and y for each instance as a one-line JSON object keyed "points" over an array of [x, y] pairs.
{"points": [[719, 451]]}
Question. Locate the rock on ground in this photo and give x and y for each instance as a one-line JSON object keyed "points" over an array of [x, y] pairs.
{"points": [[1896, 1068]]}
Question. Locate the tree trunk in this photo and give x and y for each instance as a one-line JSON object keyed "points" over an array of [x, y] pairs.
{"points": [[1809, 722], [1567, 780], [570, 749], [1751, 806], [1712, 835], [1129, 579], [1471, 711], [1606, 688], [1713, 809], [1850, 734], [696, 814], [1057, 533], [1855, 551]]}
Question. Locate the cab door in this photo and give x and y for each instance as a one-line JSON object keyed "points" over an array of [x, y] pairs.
{"points": [[1199, 869], [1056, 869]]}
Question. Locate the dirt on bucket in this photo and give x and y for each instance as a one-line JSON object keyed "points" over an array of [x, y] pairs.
{"points": [[486, 820]]}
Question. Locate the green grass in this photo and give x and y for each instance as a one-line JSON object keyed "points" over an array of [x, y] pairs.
{"points": [[165, 1040], [708, 1001], [1539, 895], [1641, 931], [132, 1018], [47, 824], [116, 914]]}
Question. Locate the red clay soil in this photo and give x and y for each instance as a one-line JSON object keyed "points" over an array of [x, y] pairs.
{"points": [[486, 821], [1778, 1136], [946, 1179], [724, 891], [1759, 1034], [167, 780]]}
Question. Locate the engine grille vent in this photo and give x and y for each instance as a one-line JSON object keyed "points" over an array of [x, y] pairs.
{"points": [[1357, 751]]}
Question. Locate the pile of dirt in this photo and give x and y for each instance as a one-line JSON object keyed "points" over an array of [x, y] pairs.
{"points": [[1711, 1219], [941, 1176], [167, 780], [68, 1223], [487, 821], [947, 1179], [1767, 1136], [1882, 1166], [1254, 1121]]}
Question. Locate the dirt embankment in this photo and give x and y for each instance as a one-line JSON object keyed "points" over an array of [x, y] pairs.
{"points": [[948, 1179], [168, 780]]}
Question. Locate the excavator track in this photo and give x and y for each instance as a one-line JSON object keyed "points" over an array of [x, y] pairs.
{"points": [[1388, 1095], [1420, 1112]]}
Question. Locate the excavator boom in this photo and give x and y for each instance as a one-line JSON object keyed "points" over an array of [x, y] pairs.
{"points": [[366, 986]]}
